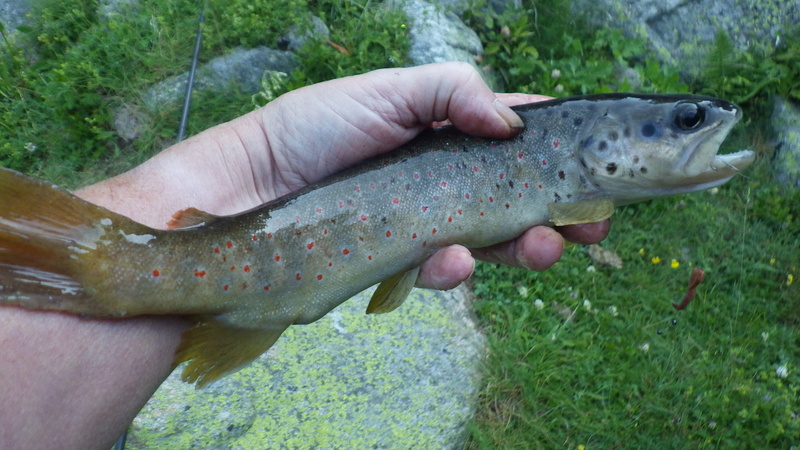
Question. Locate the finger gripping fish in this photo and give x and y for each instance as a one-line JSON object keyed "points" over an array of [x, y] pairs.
{"points": [[246, 278]]}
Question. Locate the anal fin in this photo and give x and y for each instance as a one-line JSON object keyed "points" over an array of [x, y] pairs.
{"points": [[392, 292], [580, 212], [215, 348]]}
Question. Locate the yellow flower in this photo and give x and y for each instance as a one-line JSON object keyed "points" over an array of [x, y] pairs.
{"points": [[641, 251], [655, 260], [789, 279], [581, 447], [674, 264], [772, 262]]}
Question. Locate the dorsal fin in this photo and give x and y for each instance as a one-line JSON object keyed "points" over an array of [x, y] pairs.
{"points": [[190, 218]]}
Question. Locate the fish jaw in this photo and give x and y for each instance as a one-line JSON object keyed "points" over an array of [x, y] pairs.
{"points": [[666, 145]]}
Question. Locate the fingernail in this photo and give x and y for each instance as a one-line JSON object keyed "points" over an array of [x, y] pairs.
{"points": [[507, 114]]}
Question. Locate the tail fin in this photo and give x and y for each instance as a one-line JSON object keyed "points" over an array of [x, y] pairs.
{"points": [[43, 231]]}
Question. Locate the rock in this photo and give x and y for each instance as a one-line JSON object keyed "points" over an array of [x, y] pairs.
{"points": [[408, 379], [242, 69], [13, 13], [129, 122], [438, 35], [294, 40], [786, 122], [681, 31]]}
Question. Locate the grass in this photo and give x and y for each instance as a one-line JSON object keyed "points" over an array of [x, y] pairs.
{"points": [[605, 361], [602, 360]]}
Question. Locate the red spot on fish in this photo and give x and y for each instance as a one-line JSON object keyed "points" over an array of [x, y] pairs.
{"points": [[444, 184], [233, 267], [346, 251], [319, 210], [450, 166], [433, 231], [459, 211], [520, 155], [372, 186], [413, 235], [424, 209], [363, 217], [324, 231], [277, 258], [266, 288], [216, 250], [466, 196], [430, 174], [400, 174], [369, 257], [533, 133], [310, 245], [416, 176], [395, 200], [297, 219], [341, 205], [519, 195], [544, 163], [330, 264], [555, 143], [319, 277], [491, 199], [358, 189], [199, 273], [297, 276], [255, 238], [436, 198], [269, 235], [225, 288], [156, 273], [481, 214], [502, 175], [229, 244], [475, 168], [388, 233], [508, 206], [246, 269], [360, 238], [540, 186], [450, 219]]}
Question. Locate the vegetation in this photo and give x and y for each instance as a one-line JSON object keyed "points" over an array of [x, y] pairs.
{"points": [[581, 355]]}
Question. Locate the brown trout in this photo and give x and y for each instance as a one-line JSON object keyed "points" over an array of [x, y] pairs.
{"points": [[246, 278]]}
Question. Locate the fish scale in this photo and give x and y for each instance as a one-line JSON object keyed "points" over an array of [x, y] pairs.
{"points": [[246, 278]]}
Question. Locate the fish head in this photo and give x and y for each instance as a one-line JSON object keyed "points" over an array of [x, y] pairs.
{"points": [[650, 146]]}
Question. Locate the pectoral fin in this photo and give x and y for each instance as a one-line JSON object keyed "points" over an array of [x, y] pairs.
{"points": [[190, 218], [215, 348], [580, 212], [392, 292]]}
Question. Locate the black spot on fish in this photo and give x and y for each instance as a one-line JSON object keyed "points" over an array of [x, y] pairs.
{"points": [[483, 159], [556, 197], [561, 175], [383, 219], [497, 185], [593, 171], [643, 169], [587, 142], [602, 146], [544, 134], [611, 168], [648, 130], [408, 187], [636, 160], [464, 149], [577, 121], [583, 180], [627, 132], [613, 136], [564, 114], [583, 162], [630, 173], [569, 196], [511, 184]]}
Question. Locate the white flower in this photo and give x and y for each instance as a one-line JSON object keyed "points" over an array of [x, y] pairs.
{"points": [[538, 304], [559, 88], [764, 336], [591, 269], [644, 347], [587, 305], [555, 73], [523, 291], [31, 147], [613, 311], [782, 371]]}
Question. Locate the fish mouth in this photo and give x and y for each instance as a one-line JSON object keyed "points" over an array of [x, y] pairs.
{"points": [[704, 166]]}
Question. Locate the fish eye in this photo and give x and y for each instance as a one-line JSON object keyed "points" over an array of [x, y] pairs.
{"points": [[689, 116]]}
